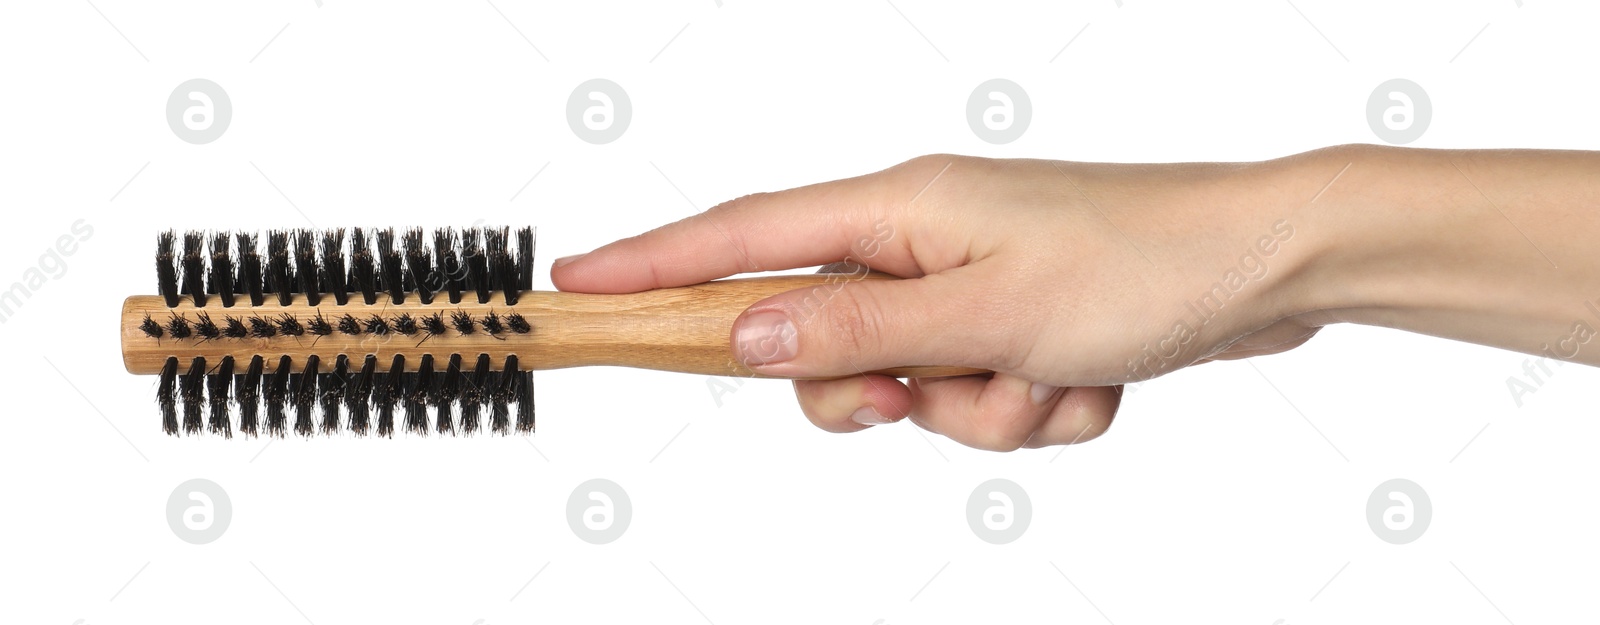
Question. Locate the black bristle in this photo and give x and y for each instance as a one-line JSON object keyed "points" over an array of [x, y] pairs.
{"points": [[217, 387], [261, 328], [319, 326], [167, 267], [305, 265], [363, 269], [419, 387], [222, 268], [228, 266], [151, 328], [390, 388], [205, 327], [525, 402], [250, 268], [277, 396], [178, 327], [526, 244], [280, 277], [332, 387], [499, 404], [420, 263], [477, 264], [194, 267], [511, 387], [356, 396], [377, 325], [389, 267], [333, 265], [453, 275], [493, 325], [462, 322], [167, 396], [289, 325], [405, 324], [305, 396], [191, 389], [247, 393], [474, 392], [502, 268], [291, 397], [445, 396], [502, 391], [433, 324], [517, 323]]}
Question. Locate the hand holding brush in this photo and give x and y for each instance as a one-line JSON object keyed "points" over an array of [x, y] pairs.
{"points": [[1030, 292]]}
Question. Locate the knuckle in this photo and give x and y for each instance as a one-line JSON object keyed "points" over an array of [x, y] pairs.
{"points": [[809, 398], [818, 420], [1087, 423], [1093, 433], [1000, 438], [929, 173], [1098, 424], [936, 161], [856, 320], [995, 430]]}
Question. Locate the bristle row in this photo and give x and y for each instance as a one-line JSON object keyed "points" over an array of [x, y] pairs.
{"points": [[201, 326], [318, 265], [345, 396]]}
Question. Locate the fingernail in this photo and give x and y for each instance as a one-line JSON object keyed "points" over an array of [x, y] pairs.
{"points": [[1041, 392], [765, 338], [566, 260], [866, 415]]}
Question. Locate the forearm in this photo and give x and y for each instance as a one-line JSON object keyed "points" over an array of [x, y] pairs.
{"points": [[1495, 247]]}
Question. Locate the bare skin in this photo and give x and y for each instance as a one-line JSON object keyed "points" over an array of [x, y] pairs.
{"points": [[1070, 279]]}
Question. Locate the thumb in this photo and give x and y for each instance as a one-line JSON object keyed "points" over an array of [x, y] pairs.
{"points": [[857, 325]]}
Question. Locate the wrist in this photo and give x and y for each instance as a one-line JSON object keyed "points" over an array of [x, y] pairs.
{"points": [[1407, 238], [1296, 211], [1364, 216], [1333, 198]]}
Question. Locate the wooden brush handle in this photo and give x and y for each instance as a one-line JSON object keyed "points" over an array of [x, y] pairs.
{"points": [[685, 329]]}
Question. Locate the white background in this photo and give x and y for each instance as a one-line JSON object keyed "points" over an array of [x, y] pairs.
{"points": [[1214, 498]]}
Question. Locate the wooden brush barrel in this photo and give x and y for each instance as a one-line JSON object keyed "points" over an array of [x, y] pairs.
{"points": [[686, 329]]}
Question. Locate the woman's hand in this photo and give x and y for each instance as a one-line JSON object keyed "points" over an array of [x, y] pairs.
{"points": [[1067, 279]]}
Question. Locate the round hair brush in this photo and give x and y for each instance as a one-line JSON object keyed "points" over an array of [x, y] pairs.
{"points": [[319, 336]]}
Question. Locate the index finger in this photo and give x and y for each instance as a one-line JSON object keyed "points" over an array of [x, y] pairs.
{"points": [[801, 227]]}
